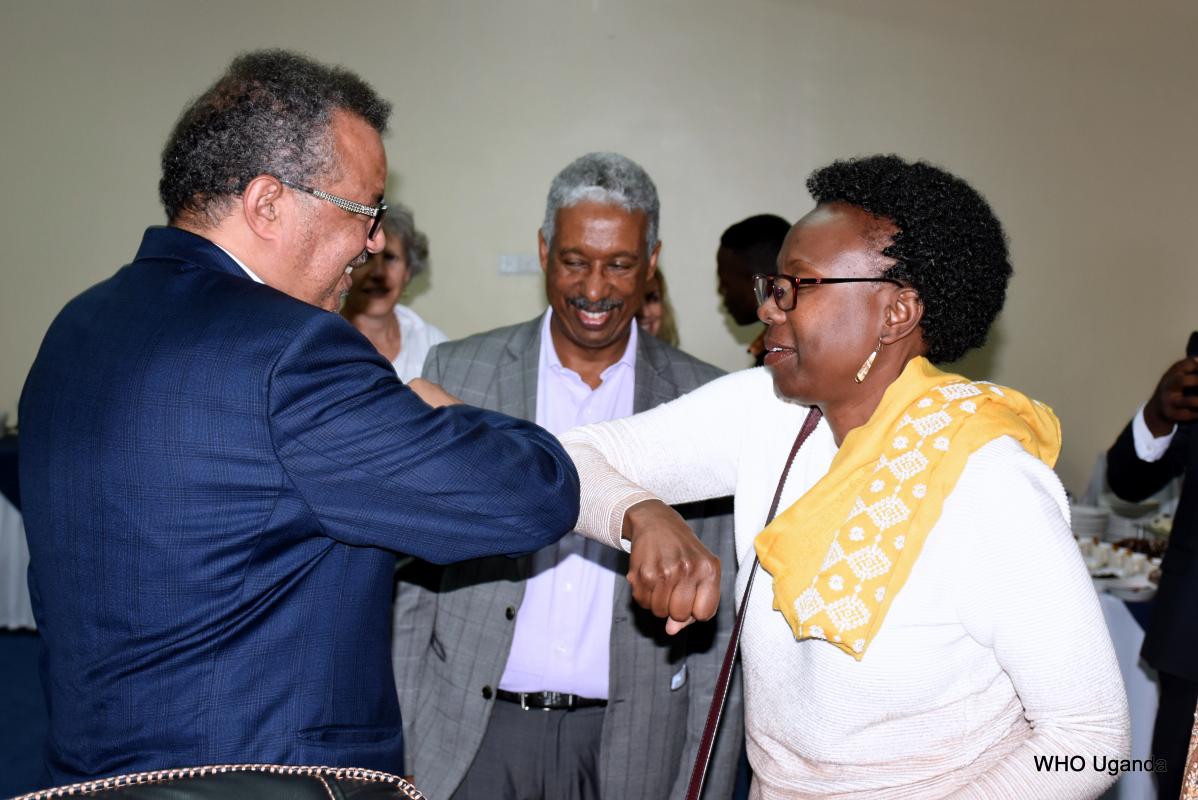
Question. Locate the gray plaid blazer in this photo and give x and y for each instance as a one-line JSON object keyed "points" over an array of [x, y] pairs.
{"points": [[454, 625]]}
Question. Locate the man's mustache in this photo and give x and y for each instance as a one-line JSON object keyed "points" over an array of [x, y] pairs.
{"points": [[596, 306]]}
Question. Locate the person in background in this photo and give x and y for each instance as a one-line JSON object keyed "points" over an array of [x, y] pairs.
{"points": [[922, 624], [538, 678], [373, 307], [1158, 445], [656, 316], [746, 248], [218, 471]]}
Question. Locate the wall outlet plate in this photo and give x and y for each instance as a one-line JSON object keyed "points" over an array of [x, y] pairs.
{"points": [[519, 264]]}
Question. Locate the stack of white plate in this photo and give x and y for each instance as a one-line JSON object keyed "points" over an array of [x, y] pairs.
{"points": [[1089, 521], [1123, 508], [1126, 518], [1121, 528]]}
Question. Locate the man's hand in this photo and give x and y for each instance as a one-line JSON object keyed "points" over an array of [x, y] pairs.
{"points": [[1168, 406], [432, 393], [671, 572]]}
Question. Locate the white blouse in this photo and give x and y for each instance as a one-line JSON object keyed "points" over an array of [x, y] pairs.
{"points": [[416, 338]]}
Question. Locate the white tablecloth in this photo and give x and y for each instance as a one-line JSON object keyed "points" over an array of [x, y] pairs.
{"points": [[14, 562], [1140, 681]]}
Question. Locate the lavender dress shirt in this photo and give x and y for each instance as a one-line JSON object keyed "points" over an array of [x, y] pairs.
{"points": [[562, 636]]}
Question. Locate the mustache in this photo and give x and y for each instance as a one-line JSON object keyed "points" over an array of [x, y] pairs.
{"points": [[597, 306], [361, 259]]}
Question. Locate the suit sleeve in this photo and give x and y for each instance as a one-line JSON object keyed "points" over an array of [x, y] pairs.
{"points": [[1133, 479], [379, 467], [681, 452]]}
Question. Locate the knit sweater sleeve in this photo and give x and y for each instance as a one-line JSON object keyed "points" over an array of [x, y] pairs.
{"points": [[679, 452], [1023, 590]]}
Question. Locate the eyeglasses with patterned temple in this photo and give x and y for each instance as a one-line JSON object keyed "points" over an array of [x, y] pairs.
{"points": [[785, 288], [375, 213]]}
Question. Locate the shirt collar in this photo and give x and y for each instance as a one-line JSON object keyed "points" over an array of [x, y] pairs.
{"points": [[247, 270], [549, 352]]}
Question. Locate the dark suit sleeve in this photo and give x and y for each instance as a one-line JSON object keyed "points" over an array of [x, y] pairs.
{"points": [[1133, 479], [377, 466]]}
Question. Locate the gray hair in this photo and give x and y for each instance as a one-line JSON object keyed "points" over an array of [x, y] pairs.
{"points": [[607, 178], [400, 223], [269, 114]]}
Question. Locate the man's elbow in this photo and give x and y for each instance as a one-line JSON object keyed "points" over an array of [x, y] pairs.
{"points": [[548, 520]]}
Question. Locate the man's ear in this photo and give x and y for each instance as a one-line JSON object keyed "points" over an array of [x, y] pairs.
{"points": [[262, 206], [543, 251], [903, 315]]}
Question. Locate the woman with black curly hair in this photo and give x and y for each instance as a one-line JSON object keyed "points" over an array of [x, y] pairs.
{"points": [[924, 626]]}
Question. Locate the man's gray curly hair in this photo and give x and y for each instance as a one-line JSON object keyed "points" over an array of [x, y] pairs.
{"points": [[607, 178], [269, 114]]}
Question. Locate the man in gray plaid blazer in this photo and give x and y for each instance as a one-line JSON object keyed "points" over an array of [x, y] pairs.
{"points": [[539, 677]]}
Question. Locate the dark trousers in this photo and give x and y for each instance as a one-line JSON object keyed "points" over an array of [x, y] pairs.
{"points": [[536, 755], [1171, 734]]}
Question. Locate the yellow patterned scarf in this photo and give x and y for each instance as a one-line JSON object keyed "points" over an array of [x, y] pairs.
{"points": [[842, 552]]}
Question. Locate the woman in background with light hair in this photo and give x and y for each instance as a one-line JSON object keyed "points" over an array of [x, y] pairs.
{"points": [[373, 306]]}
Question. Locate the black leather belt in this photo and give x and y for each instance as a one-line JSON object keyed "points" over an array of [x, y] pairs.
{"points": [[548, 701]]}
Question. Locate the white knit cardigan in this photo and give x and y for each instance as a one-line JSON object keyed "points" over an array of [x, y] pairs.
{"points": [[993, 654]]}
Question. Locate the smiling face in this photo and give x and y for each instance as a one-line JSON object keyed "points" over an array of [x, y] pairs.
{"points": [[596, 269], [379, 283], [326, 238], [815, 350]]}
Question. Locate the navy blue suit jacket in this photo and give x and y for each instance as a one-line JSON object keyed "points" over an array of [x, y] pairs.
{"points": [[216, 478]]}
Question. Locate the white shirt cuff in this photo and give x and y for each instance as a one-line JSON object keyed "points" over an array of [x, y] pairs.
{"points": [[1149, 447]]}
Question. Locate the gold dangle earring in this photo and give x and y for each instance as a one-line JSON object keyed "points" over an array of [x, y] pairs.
{"points": [[869, 362]]}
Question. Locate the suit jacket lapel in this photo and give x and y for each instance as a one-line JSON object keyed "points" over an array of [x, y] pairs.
{"points": [[654, 385], [516, 372], [515, 389]]}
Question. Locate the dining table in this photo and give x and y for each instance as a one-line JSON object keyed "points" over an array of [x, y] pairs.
{"points": [[1126, 622]]}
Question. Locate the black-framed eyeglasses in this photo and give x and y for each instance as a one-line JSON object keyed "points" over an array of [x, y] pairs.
{"points": [[376, 213], [785, 288]]}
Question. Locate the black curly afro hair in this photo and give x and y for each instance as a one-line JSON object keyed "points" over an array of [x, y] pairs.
{"points": [[949, 246]]}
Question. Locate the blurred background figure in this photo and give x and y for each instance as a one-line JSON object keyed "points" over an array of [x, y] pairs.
{"points": [[1155, 447], [657, 315], [748, 247], [373, 306]]}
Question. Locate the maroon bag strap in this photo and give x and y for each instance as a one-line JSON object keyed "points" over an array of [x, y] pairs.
{"points": [[699, 773]]}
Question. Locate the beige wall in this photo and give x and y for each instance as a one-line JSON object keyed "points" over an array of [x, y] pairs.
{"points": [[1077, 119]]}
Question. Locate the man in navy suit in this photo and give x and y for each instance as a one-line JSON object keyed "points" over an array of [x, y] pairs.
{"points": [[217, 471]]}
